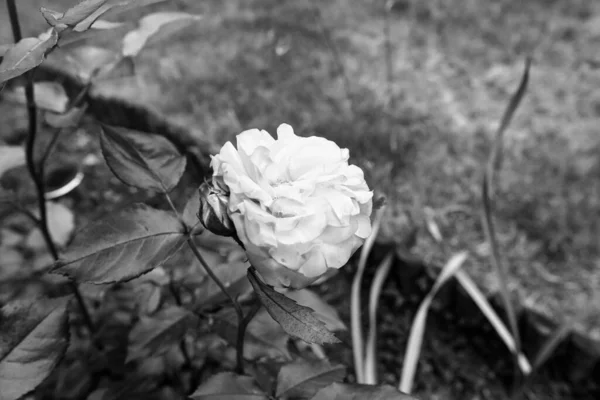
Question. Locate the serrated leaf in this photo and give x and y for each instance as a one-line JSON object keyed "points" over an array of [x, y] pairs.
{"points": [[303, 378], [345, 391], [70, 119], [151, 334], [296, 320], [122, 246], [264, 337], [49, 96], [27, 54], [33, 338], [135, 40], [228, 386], [142, 160], [11, 157], [324, 312]]}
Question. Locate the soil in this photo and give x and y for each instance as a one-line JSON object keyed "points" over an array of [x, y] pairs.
{"points": [[421, 135]]}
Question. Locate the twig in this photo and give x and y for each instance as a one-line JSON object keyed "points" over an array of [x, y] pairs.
{"points": [[37, 174], [236, 305]]}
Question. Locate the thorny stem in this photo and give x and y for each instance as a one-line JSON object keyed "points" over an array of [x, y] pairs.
{"points": [[37, 174], [238, 309]]}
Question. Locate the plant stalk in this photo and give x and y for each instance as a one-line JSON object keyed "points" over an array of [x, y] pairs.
{"points": [[37, 174], [238, 309]]}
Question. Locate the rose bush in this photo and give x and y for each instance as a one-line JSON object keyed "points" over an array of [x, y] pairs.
{"points": [[297, 205]]}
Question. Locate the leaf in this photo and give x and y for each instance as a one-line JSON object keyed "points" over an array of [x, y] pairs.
{"points": [[70, 119], [4, 48], [303, 378], [381, 274], [323, 311], [33, 338], [49, 96], [356, 325], [190, 212], [96, 62], [122, 246], [417, 329], [264, 337], [11, 157], [227, 385], [295, 319], [135, 40], [142, 160], [73, 15], [106, 29], [233, 276], [27, 54], [61, 223], [111, 5], [486, 308], [151, 334], [344, 391]]}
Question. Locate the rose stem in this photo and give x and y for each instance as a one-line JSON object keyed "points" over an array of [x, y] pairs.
{"points": [[38, 175], [238, 309]]}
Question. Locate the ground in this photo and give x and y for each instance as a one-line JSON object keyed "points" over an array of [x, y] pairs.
{"points": [[420, 122]]}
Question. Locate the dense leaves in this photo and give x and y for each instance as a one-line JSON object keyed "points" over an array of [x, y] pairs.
{"points": [[264, 337], [142, 160], [152, 334], [302, 378], [342, 391], [33, 338], [135, 40], [27, 54], [295, 319], [122, 246], [227, 385]]}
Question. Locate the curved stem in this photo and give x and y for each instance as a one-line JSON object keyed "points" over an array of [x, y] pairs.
{"points": [[37, 174], [236, 306]]}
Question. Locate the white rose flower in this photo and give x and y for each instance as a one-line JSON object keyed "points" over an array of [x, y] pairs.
{"points": [[297, 205]]}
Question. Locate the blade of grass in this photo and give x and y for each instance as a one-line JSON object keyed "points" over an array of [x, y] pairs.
{"points": [[561, 332], [370, 365], [487, 189], [417, 330], [481, 301], [358, 344], [495, 159]]}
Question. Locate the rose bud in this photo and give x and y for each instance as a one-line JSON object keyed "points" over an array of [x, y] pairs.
{"points": [[297, 205], [213, 210]]}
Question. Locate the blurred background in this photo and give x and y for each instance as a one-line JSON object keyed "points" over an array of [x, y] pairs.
{"points": [[415, 89]]}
